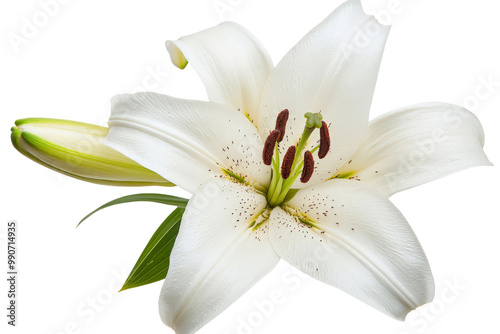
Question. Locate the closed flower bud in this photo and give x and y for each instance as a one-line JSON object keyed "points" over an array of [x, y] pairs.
{"points": [[75, 149]]}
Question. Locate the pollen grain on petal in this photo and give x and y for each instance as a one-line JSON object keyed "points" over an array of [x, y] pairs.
{"points": [[267, 153], [308, 167], [286, 166], [324, 141]]}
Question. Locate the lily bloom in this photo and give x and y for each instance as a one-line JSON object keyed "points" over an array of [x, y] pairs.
{"points": [[283, 163]]}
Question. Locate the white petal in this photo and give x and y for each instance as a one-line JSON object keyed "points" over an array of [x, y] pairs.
{"points": [[415, 145], [230, 61], [217, 256], [333, 69], [186, 140], [360, 243]]}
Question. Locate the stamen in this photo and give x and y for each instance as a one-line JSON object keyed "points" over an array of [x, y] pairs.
{"points": [[295, 162], [286, 166], [267, 154], [308, 167], [281, 123], [324, 140]]}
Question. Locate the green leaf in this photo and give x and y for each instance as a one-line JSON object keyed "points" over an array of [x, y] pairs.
{"points": [[152, 265], [157, 198]]}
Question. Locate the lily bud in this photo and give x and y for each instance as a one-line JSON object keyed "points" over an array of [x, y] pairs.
{"points": [[75, 149]]}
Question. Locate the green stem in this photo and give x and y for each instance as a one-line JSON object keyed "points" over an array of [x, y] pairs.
{"points": [[276, 193], [302, 143], [286, 188], [276, 175]]}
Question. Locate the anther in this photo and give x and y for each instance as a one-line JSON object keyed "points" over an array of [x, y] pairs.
{"points": [[308, 167], [286, 166], [281, 123], [267, 154], [324, 140]]}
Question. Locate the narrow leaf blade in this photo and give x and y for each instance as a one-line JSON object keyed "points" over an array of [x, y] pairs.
{"points": [[152, 265], [157, 198]]}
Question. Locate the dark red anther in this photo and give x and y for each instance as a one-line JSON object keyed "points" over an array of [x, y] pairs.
{"points": [[281, 123], [324, 141], [267, 154], [308, 170], [286, 166]]}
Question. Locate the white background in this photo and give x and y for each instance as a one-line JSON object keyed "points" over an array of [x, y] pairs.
{"points": [[91, 50]]}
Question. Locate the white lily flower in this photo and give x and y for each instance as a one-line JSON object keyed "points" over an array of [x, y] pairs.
{"points": [[322, 208]]}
